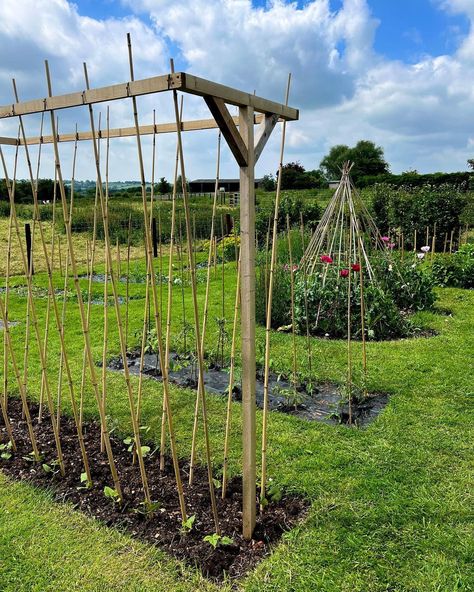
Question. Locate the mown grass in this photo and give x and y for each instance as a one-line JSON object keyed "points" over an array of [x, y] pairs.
{"points": [[391, 505]]}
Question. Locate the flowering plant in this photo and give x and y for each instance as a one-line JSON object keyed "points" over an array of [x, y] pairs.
{"points": [[326, 259]]}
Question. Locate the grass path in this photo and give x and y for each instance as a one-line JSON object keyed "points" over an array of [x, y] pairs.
{"points": [[392, 505]]}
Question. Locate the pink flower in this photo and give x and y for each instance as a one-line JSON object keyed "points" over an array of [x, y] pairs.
{"points": [[344, 272], [326, 259], [425, 249], [355, 267], [391, 245], [420, 255], [385, 239]]}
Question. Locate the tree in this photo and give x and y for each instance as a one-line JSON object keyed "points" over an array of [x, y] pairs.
{"points": [[368, 160], [331, 164], [294, 176], [470, 163], [163, 186], [268, 183]]}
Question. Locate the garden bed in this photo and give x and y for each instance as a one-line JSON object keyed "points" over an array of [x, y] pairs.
{"points": [[322, 401], [162, 528]]}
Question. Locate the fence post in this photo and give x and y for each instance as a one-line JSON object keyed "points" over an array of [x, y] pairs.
{"points": [[154, 237], [29, 252]]}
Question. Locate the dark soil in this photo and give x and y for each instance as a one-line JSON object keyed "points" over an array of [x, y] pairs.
{"points": [[322, 402], [162, 528]]}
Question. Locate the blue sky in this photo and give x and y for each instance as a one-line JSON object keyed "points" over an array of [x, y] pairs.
{"points": [[397, 72], [407, 30]]}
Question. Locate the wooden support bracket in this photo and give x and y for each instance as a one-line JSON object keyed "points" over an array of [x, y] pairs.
{"points": [[264, 132], [228, 128]]}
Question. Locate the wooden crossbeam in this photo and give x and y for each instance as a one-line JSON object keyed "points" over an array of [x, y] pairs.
{"points": [[98, 95], [199, 86], [264, 132], [8, 141], [228, 128], [124, 132], [178, 81]]}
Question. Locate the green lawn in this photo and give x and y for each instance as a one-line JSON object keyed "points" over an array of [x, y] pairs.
{"points": [[392, 505]]}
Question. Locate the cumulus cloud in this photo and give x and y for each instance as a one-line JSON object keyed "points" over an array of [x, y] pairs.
{"points": [[344, 89]]}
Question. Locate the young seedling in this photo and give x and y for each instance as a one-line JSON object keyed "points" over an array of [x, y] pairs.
{"points": [[5, 451], [147, 508], [86, 484], [112, 494], [216, 540], [187, 526], [130, 442]]}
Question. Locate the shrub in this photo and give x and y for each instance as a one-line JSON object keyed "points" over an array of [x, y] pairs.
{"points": [[327, 309], [281, 294], [410, 287], [409, 209], [291, 205], [456, 270]]}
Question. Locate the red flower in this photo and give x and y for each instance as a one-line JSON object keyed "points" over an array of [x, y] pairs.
{"points": [[344, 272], [355, 267], [326, 259]]}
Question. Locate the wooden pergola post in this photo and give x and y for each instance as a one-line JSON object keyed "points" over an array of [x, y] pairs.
{"points": [[247, 238]]}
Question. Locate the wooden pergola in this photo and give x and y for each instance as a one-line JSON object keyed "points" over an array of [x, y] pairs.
{"points": [[246, 145]]}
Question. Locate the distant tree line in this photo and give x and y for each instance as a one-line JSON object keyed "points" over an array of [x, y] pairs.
{"points": [[368, 168]]}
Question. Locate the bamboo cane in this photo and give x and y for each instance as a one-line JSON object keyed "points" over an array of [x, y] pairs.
{"points": [[305, 292], [103, 203], [292, 301], [50, 295], [451, 241], [269, 312], [119, 263], [19, 380], [206, 307], [223, 290], [127, 282], [7, 291], [65, 293], [181, 263], [84, 325], [445, 242], [146, 313], [231, 386], [433, 243], [90, 272], [7, 282], [170, 293], [155, 296], [105, 338], [349, 341], [60, 258], [34, 318], [5, 318], [196, 318], [59, 323]]}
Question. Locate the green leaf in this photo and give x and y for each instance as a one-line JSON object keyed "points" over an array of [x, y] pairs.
{"points": [[212, 539], [188, 525], [217, 483], [111, 493], [128, 441], [145, 450], [47, 468], [225, 540], [6, 455]]}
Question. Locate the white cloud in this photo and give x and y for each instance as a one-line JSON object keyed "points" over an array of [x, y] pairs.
{"points": [[344, 90]]}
